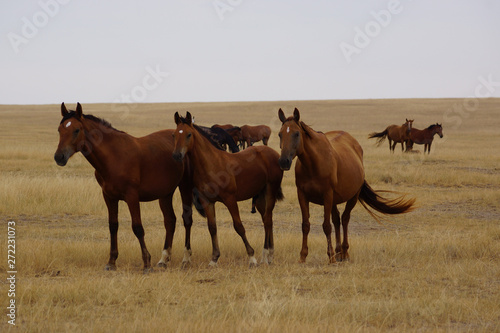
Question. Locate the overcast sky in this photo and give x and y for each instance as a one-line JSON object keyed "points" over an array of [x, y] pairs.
{"points": [[246, 50]]}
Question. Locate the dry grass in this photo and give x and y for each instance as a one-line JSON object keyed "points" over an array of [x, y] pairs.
{"points": [[435, 269]]}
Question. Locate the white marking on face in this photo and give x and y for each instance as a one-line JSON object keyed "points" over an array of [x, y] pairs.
{"points": [[68, 124], [288, 129], [181, 131]]}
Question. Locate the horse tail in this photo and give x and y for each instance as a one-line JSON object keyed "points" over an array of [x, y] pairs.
{"points": [[381, 136], [197, 202], [370, 197]]}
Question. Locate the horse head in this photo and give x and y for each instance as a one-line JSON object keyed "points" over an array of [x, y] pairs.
{"points": [[183, 135], [290, 136], [439, 130], [71, 134], [408, 124]]}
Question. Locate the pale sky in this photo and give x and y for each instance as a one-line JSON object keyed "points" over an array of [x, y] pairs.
{"points": [[246, 50]]}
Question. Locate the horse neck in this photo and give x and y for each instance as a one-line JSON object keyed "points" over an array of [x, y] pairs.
{"points": [[100, 147], [309, 155], [202, 153]]}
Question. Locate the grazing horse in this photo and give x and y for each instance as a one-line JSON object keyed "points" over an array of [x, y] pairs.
{"points": [[252, 134], [229, 178], [425, 137], [330, 171], [129, 169], [394, 133]]}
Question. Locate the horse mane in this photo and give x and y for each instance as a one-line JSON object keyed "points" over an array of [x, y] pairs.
{"points": [[90, 117], [308, 129], [431, 126], [203, 131]]}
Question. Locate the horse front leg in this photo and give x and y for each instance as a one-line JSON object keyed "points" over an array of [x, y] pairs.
{"points": [[306, 226], [169, 220], [232, 206], [135, 212], [112, 206], [187, 217], [266, 207]]}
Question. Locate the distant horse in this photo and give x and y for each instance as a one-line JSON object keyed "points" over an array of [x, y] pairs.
{"points": [[235, 133], [219, 138], [129, 169], [229, 178], [252, 134], [328, 172], [398, 134], [425, 137]]}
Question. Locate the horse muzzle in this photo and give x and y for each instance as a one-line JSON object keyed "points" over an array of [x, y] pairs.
{"points": [[285, 163], [178, 156], [60, 159]]}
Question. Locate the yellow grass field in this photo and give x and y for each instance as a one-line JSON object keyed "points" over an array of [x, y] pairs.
{"points": [[435, 269]]}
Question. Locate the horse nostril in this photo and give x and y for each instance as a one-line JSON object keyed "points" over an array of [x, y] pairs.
{"points": [[177, 156], [285, 163], [60, 160]]}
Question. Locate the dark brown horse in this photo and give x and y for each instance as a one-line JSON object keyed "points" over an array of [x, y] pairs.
{"points": [[252, 134], [425, 137], [229, 178], [129, 169], [330, 171], [396, 133]]}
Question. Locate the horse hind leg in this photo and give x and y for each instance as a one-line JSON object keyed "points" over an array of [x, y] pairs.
{"points": [[169, 220], [338, 239], [346, 215], [138, 229], [265, 205]]}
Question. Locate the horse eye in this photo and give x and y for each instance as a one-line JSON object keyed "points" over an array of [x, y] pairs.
{"points": [[76, 131], [296, 134], [189, 135]]}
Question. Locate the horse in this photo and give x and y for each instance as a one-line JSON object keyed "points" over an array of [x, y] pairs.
{"points": [[228, 178], [425, 137], [394, 133], [252, 134], [219, 138], [129, 169], [329, 171], [235, 133]]}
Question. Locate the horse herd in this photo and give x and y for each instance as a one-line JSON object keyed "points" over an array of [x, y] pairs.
{"points": [[407, 135], [329, 171]]}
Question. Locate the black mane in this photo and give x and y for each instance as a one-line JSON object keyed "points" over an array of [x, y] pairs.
{"points": [[432, 126]]}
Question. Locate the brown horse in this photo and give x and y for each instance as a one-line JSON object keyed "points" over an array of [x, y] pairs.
{"points": [[329, 171], [398, 134], [229, 178], [129, 169], [425, 137], [252, 134]]}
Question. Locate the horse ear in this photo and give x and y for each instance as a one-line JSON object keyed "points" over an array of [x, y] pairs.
{"points": [[79, 111], [296, 115], [407, 120], [281, 115], [64, 111], [189, 118], [177, 118]]}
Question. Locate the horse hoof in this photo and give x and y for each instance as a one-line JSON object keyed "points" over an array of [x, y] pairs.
{"points": [[212, 264], [253, 262], [186, 264], [109, 267], [253, 211], [147, 270], [162, 264]]}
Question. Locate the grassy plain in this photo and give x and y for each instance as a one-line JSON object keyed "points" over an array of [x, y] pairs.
{"points": [[435, 269]]}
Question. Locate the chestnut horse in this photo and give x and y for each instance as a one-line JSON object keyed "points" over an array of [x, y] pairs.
{"points": [[398, 134], [425, 137], [252, 134], [129, 169], [330, 171], [229, 178]]}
